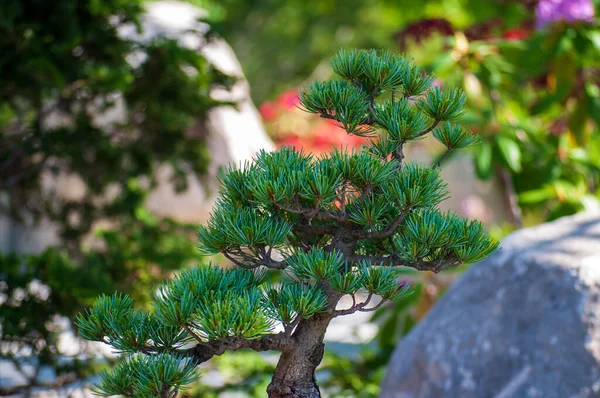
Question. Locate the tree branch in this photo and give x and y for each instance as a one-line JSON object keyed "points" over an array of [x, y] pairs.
{"points": [[289, 328], [371, 118], [398, 154], [237, 262], [429, 129], [249, 261], [376, 307], [202, 352], [355, 307], [439, 162], [314, 229]]}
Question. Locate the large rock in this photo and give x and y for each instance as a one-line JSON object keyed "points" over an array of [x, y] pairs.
{"points": [[523, 323]]}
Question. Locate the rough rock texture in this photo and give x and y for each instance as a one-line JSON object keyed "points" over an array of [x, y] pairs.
{"points": [[523, 323]]}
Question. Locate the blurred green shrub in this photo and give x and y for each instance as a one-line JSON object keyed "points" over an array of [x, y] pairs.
{"points": [[534, 98], [279, 43], [65, 60]]}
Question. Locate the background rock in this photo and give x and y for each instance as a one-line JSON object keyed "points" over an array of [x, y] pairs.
{"points": [[523, 323]]}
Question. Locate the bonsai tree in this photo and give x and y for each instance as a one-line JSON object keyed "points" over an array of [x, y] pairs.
{"points": [[341, 224]]}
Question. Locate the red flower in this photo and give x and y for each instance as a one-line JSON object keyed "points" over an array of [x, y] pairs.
{"points": [[291, 140], [516, 34], [323, 141], [268, 111], [423, 29]]}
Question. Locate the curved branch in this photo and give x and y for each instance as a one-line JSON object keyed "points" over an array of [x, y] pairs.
{"points": [[250, 261], [204, 351], [237, 262], [355, 307], [442, 158], [429, 129], [376, 307], [191, 333]]}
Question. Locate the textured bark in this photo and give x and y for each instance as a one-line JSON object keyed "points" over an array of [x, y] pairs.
{"points": [[294, 375], [203, 351]]}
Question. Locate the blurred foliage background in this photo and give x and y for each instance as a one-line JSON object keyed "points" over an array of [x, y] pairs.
{"points": [[530, 68], [63, 64]]}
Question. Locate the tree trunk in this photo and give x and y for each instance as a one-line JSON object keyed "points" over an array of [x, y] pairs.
{"points": [[294, 375]]}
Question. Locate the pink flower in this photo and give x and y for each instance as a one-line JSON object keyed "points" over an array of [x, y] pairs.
{"points": [[289, 99], [548, 11], [268, 111]]}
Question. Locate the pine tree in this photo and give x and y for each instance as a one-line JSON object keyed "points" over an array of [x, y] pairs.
{"points": [[332, 226]]}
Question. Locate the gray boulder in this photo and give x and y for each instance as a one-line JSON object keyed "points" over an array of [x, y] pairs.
{"points": [[523, 323]]}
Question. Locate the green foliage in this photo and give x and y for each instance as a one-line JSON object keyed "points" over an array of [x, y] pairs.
{"points": [[65, 61], [534, 103], [336, 225], [453, 136], [315, 264], [230, 226], [238, 314], [382, 281], [441, 104], [338, 100], [147, 376], [415, 81], [416, 187], [401, 121], [293, 300], [430, 234], [281, 46]]}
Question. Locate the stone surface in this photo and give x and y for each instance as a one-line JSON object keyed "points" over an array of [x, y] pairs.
{"points": [[523, 323]]}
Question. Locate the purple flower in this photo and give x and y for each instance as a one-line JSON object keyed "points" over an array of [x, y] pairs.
{"points": [[548, 11]]}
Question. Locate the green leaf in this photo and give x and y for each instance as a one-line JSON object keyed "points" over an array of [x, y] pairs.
{"points": [[594, 38], [578, 118], [483, 160], [536, 195], [510, 152], [565, 71]]}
